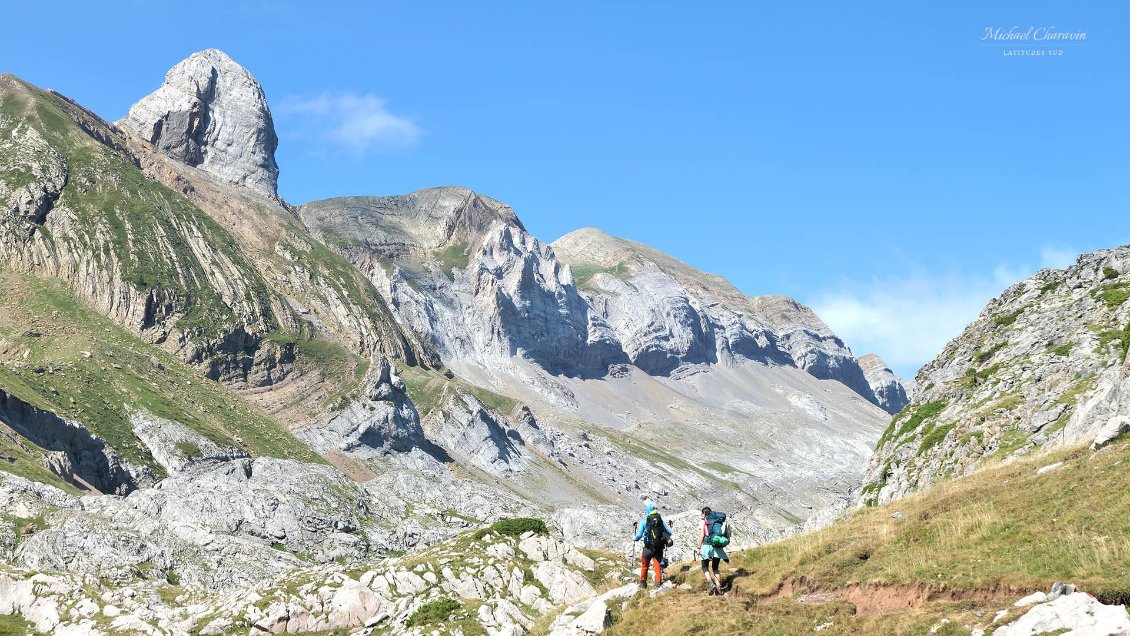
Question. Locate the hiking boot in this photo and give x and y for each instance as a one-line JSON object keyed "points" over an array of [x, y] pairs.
{"points": [[643, 585]]}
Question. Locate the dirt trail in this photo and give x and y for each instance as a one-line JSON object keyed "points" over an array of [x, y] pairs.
{"points": [[882, 598]]}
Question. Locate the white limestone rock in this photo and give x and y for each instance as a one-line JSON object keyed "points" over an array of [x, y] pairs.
{"points": [[668, 315], [175, 447], [542, 548], [1079, 613], [494, 291], [890, 392], [211, 113], [380, 422], [564, 585], [1040, 368]]}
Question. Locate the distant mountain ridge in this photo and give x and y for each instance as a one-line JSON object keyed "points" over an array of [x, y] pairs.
{"points": [[706, 319]]}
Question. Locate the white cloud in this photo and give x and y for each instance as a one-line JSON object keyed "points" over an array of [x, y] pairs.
{"points": [[1057, 258], [357, 123], [907, 320]]}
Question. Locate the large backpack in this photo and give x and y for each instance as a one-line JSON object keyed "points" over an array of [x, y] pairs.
{"points": [[654, 535], [717, 530]]}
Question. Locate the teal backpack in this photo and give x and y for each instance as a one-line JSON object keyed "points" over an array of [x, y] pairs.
{"points": [[717, 530]]}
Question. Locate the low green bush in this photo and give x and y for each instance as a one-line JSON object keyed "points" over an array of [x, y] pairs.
{"points": [[515, 527], [1005, 320], [432, 612]]}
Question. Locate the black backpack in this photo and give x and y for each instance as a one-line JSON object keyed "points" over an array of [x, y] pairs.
{"points": [[654, 536]]}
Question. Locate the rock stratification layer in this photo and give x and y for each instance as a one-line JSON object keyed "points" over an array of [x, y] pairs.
{"points": [[211, 113], [366, 375], [668, 314], [460, 268], [888, 387]]}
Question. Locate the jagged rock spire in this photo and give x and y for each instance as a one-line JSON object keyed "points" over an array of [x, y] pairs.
{"points": [[211, 113]]}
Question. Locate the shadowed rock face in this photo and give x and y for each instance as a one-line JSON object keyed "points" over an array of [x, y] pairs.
{"points": [[889, 389], [668, 314], [211, 113], [491, 291], [75, 454]]}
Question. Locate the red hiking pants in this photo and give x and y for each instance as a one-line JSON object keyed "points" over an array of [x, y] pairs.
{"points": [[643, 569]]}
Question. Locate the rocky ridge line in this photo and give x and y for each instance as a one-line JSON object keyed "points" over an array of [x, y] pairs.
{"points": [[1045, 365]]}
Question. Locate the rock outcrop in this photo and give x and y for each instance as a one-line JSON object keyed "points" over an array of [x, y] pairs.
{"points": [[668, 314], [1043, 366], [888, 387], [485, 580], [211, 113], [460, 268], [73, 452], [1072, 613]]}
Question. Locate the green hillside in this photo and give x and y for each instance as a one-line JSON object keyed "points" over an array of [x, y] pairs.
{"points": [[60, 356], [960, 551]]}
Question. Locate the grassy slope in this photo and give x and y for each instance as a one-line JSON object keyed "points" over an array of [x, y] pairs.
{"points": [[135, 223], [85, 367], [114, 207], [992, 536], [429, 390]]}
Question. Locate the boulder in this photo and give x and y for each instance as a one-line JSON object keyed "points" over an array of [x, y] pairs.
{"points": [[1078, 612], [564, 585], [595, 619], [542, 548], [1112, 430]]}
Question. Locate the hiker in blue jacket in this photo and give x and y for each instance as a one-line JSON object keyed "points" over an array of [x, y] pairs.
{"points": [[711, 549], [656, 537]]}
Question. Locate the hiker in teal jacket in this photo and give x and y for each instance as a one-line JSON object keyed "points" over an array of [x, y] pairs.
{"points": [[653, 546], [711, 555]]}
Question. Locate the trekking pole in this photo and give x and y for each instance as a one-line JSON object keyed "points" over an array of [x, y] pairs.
{"points": [[635, 528]]}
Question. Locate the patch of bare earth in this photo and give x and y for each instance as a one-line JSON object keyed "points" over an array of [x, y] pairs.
{"points": [[881, 598]]}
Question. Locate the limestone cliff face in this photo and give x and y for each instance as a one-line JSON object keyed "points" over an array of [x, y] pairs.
{"points": [[75, 207], [198, 264], [668, 314], [210, 112], [888, 387], [1044, 365], [460, 268]]}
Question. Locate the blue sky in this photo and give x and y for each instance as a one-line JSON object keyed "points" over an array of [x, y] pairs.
{"points": [[881, 163]]}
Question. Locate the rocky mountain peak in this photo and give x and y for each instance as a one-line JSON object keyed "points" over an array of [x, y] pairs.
{"points": [[211, 113], [590, 242], [784, 312], [889, 388], [419, 221]]}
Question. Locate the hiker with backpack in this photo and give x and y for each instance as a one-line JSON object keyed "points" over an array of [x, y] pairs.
{"points": [[715, 536], [656, 537]]}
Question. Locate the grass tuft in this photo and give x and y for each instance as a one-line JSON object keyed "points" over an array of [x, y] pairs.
{"points": [[514, 527], [433, 612], [1005, 320], [1112, 295], [1061, 349]]}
